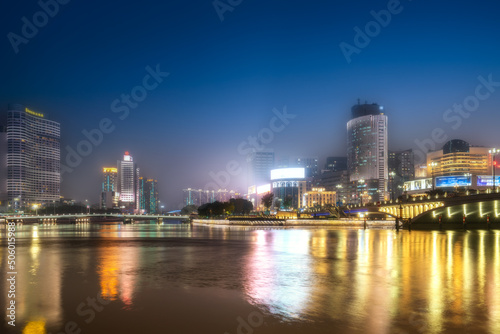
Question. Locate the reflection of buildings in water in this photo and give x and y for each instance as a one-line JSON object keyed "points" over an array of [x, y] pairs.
{"points": [[38, 285], [127, 275], [35, 327], [116, 271], [277, 274], [107, 269]]}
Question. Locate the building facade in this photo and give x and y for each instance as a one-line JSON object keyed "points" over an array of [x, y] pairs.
{"points": [[401, 170], [318, 197], [33, 158], [109, 193], [310, 164], [336, 163], [367, 148], [148, 195], [127, 181], [458, 158], [260, 165], [288, 185]]}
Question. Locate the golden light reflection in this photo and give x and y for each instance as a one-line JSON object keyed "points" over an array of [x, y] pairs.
{"points": [[108, 272], [35, 327]]}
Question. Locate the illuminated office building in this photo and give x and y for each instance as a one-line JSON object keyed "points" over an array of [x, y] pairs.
{"points": [[367, 150], [109, 193], [33, 158], [310, 165], [458, 158], [127, 181], [148, 195]]}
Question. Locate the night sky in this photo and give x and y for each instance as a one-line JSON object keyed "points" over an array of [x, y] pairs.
{"points": [[226, 77]]}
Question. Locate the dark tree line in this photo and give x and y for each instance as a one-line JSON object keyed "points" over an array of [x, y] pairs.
{"points": [[235, 206]]}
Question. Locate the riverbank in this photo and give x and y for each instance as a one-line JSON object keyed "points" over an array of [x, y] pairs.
{"points": [[345, 222]]}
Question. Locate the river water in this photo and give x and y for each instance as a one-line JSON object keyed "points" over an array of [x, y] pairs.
{"points": [[174, 278]]}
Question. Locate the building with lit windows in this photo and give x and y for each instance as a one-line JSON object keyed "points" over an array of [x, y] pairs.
{"points": [[401, 169], [310, 165], [318, 197], [367, 149], [288, 185], [148, 195], [127, 181], [460, 165], [336, 164], [458, 157], [33, 158], [109, 193]]}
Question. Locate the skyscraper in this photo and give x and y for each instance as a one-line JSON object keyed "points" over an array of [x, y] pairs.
{"points": [[309, 163], [148, 195], [33, 157], [109, 193], [261, 164], [367, 150], [127, 178]]}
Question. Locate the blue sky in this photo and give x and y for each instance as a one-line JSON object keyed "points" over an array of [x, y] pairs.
{"points": [[225, 78]]}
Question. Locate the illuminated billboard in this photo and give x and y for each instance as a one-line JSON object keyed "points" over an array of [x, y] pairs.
{"points": [[288, 173], [422, 184], [264, 189], [453, 181], [487, 180]]}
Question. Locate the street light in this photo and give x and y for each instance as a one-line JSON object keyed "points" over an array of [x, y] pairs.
{"points": [[433, 164], [494, 152], [35, 206]]}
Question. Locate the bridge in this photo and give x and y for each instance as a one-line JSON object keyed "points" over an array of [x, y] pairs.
{"points": [[87, 218], [483, 209]]}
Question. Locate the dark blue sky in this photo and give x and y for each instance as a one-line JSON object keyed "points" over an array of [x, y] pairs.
{"points": [[227, 76]]}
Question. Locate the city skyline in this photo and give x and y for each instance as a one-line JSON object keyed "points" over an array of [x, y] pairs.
{"points": [[198, 114]]}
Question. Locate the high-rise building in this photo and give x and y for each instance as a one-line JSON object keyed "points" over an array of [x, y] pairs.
{"points": [[148, 195], [33, 157], [367, 150], [310, 164], [127, 181], [109, 193], [261, 164], [336, 163], [401, 169]]}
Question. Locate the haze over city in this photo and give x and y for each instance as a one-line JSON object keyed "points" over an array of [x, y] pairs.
{"points": [[229, 69]]}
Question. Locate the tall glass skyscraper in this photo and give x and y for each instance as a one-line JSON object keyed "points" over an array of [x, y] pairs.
{"points": [[367, 150], [33, 157], [148, 194], [127, 179]]}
